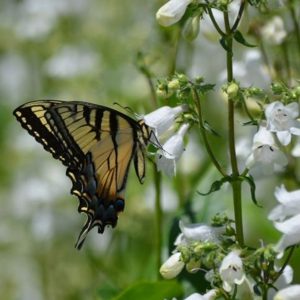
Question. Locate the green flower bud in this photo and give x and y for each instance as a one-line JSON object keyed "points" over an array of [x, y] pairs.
{"points": [[297, 91], [232, 90], [182, 78], [191, 28], [185, 254], [174, 84], [277, 88], [198, 250], [193, 265]]}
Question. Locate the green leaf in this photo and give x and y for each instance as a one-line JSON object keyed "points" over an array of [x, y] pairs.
{"points": [[240, 39], [251, 183], [210, 129], [224, 43], [215, 186], [151, 291]]}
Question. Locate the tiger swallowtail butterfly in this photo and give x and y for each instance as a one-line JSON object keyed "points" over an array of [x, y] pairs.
{"points": [[97, 145]]}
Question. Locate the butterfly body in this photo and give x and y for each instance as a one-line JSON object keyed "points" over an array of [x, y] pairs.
{"points": [[97, 145]]}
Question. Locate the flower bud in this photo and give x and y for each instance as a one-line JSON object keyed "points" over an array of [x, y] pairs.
{"points": [[172, 267], [277, 88], [297, 91], [191, 28], [174, 84], [232, 90], [193, 265]]}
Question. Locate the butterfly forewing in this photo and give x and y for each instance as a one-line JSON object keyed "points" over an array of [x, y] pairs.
{"points": [[97, 144]]}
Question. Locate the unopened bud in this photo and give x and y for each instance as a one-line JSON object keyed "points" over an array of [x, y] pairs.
{"points": [[232, 90], [191, 28]]}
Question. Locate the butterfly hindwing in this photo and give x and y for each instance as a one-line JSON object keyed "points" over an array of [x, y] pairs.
{"points": [[97, 144]]}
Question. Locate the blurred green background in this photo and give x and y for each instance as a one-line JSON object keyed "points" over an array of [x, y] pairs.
{"points": [[86, 50]]}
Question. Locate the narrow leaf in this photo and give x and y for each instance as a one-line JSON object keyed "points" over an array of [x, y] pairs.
{"points": [[223, 43], [251, 183], [240, 39], [215, 186]]}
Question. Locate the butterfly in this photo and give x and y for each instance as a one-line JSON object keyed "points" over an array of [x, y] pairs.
{"points": [[97, 145]]}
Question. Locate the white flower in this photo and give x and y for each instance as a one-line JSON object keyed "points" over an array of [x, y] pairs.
{"points": [[161, 119], [273, 32], [290, 293], [172, 12], [231, 271], [210, 295], [291, 233], [289, 204], [281, 119], [265, 154], [172, 150], [198, 232], [172, 266]]}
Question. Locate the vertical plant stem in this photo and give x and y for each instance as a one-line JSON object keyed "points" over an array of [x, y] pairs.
{"points": [[236, 185], [295, 22], [158, 216]]}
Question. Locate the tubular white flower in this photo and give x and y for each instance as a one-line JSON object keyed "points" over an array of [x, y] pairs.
{"points": [[289, 293], [291, 233], [210, 295], [289, 204], [281, 119], [161, 119], [273, 32], [265, 154], [172, 150], [198, 232], [172, 266], [172, 12], [231, 271]]}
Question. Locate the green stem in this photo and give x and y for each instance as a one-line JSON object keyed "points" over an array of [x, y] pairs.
{"points": [[236, 185], [286, 62], [295, 22], [211, 15], [203, 134], [239, 16], [158, 215]]}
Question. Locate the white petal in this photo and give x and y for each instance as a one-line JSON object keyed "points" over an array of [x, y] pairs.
{"points": [[270, 107], [210, 295], [172, 12], [284, 137], [283, 196], [166, 165], [162, 119], [290, 293], [250, 161], [295, 130], [263, 137], [285, 241], [290, 226], [293, 109], [201, 232]]}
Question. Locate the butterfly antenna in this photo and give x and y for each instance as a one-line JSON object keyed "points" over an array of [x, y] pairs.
{"points": [[127, 108]]}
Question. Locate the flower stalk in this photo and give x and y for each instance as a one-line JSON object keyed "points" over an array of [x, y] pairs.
{"points": [[236, 185]]}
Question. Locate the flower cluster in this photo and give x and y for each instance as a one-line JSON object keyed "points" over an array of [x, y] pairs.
{"points": [[161, 122], [281, 121]]}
